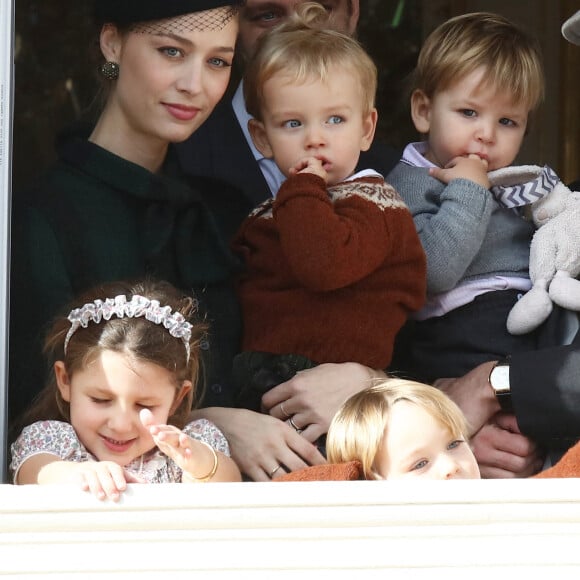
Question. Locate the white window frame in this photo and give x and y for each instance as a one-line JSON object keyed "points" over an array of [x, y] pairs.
{"points": [[6, 120]]}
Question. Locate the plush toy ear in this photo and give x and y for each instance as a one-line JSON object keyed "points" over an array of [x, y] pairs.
{"points": [[328, 472], [568, 466]]}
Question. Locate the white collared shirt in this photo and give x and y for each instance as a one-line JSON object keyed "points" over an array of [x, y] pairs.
{"points": [[272, 174]]}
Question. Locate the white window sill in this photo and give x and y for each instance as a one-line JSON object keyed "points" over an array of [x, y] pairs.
{"points": [[294, 530]]}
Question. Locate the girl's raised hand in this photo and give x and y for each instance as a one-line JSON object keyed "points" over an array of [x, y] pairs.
{"points": [[170, 440], [198, 461], [183, 449]]}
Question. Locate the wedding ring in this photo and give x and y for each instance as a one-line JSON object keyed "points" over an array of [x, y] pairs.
{"points": [[273, 472], [291, 421], [286, 415]]}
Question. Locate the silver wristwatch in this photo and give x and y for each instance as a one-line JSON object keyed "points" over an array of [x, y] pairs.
{"points": [[499, 379]]}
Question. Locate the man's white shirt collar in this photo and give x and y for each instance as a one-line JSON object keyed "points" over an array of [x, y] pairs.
{"points": [[271, 172], [243, 117]]}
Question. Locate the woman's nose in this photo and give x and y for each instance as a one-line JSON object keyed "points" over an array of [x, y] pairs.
{"points": [[191, 78]]}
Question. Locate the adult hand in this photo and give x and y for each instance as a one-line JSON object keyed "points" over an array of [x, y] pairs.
{"points": [[312, 397], [473, 394], [263, 447], [503, 452]]}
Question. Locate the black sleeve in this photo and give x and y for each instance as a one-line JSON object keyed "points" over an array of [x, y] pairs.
{"points": [[545, 388]]}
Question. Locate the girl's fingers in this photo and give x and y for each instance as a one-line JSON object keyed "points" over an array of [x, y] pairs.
{"points": [[93, 485], [105, 481], [146, 417]]}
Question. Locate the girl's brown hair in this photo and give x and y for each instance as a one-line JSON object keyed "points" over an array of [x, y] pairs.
{"points": [[137, 338]]}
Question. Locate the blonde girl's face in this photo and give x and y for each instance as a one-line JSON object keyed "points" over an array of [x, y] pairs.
{"points": [[417, 445], [106, 397], [169, 81]]}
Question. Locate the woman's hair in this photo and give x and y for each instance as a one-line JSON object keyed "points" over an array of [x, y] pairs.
{"points": [[303, 47], [136, 337], [358, 428], [511, 57]]}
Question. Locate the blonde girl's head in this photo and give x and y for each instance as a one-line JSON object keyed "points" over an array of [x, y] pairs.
{"points": [[358, 429]]}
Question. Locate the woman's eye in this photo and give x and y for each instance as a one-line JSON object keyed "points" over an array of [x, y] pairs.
{"points": [[171, 51], [219, 62]]}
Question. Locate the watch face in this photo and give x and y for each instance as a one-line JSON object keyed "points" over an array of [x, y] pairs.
{"points": [[500, 378]]}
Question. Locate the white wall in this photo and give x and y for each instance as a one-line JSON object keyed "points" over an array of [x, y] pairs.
{"points": [[422, 530]]}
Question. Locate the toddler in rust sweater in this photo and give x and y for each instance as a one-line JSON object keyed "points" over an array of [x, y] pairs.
{"points": [[333, 263]]}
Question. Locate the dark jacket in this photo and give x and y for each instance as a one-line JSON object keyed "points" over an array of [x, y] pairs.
{"points": [[95, 217]]}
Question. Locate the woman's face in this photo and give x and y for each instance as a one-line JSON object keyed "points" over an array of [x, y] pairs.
{"points": [[170, 77]]}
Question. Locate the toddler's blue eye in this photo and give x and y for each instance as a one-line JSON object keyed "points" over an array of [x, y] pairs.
{"points": [[420, 465]]}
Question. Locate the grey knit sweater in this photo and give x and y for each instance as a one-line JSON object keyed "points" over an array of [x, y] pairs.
{"points": [[465, 233]]}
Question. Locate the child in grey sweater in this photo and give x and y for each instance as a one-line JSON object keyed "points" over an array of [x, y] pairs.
{"points": [[478, 79]]}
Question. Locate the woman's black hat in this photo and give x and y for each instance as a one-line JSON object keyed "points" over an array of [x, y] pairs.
{"points": [[129, 11]]}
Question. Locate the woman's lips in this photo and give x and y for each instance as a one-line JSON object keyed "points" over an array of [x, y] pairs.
{"points": [[181, 112]]}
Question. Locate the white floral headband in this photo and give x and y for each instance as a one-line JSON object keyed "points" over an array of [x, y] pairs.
{"points": [[138, 306]]}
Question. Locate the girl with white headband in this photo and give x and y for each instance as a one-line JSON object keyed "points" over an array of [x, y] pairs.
{"points": [[126, 360]]}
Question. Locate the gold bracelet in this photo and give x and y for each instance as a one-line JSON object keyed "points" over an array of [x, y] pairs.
{"points": [[214, 468]]}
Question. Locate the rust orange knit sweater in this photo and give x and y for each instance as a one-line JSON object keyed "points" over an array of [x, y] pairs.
{"points": [[330, 274]]}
